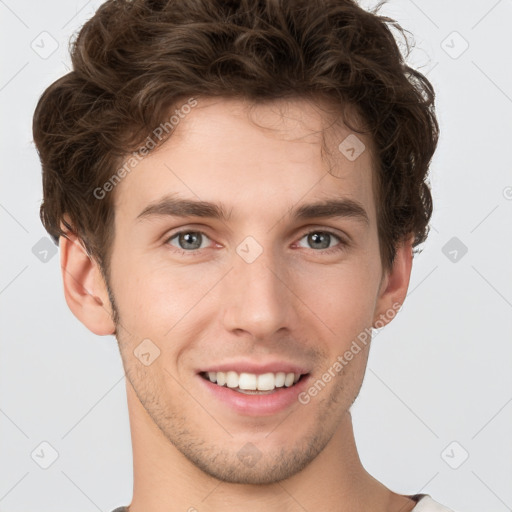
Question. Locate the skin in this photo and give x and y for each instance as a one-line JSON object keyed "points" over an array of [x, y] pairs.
{"points": [[293, 302]]}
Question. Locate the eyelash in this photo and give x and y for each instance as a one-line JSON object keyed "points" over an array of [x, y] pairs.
{"points": [[197, 252]]}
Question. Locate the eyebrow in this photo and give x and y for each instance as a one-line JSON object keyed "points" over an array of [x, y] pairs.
{"points": [[177, 207]]}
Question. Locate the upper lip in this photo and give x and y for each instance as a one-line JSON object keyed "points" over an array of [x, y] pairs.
{"points": [[246, 366]]}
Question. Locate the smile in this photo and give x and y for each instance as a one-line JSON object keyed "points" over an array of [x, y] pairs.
{"points": [[251, 383]]}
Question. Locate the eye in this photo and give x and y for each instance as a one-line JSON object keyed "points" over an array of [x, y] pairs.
{"points": [[191, 242], [188, 241], [322, 240]]}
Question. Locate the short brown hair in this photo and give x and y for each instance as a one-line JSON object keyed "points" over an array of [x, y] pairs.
{"points": [[135, 60]]}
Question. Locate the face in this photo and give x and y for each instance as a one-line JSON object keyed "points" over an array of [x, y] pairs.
{"points": [[270, 287]]}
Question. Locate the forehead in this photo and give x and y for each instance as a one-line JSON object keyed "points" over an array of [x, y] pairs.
{"points": [[240, 153]]}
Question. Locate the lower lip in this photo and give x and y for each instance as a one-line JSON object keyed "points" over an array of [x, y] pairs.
{"points": [[256, 405]]}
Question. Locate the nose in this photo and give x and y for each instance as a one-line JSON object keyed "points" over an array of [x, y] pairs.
{"points": [[257, 297]]}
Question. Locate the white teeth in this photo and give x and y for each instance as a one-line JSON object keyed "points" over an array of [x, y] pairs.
{"points": [[280, 378], [289, 379], [252, 382], [266, 382], [247, 381], [231, 379]]}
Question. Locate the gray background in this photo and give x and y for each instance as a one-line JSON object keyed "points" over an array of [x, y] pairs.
{"points": [[435, 411]]}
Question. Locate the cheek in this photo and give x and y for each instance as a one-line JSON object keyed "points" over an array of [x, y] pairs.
{"points": [[341, 297], [154, 299]]}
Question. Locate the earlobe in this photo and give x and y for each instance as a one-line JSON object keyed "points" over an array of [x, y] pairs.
{"points": [[84, 288], [394, 286]]}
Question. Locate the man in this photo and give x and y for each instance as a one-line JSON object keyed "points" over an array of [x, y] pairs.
{"points": [[237, 188]]}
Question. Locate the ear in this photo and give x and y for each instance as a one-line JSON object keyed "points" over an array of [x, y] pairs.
{"points": [[394, 285], [84, 287]]}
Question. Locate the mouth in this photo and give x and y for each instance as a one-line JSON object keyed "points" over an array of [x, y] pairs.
{"points": [[252, 383], [253, 388]]}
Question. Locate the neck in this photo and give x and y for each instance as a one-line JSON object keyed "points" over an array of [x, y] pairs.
{"points": [[165, 480]]}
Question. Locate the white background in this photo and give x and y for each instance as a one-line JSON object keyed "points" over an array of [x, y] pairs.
{"points": [[439, 373]]}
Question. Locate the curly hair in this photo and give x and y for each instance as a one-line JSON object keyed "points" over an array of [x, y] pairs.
{"points": [[134, 61]]}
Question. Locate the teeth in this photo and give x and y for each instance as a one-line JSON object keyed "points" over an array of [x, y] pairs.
{"points": [[253, 382], [280, 378], [220, 378], [231, 379], [266, 382], [248, 381]]}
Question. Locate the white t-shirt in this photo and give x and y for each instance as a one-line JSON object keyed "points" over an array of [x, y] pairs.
{"points": [[427, 504]]}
